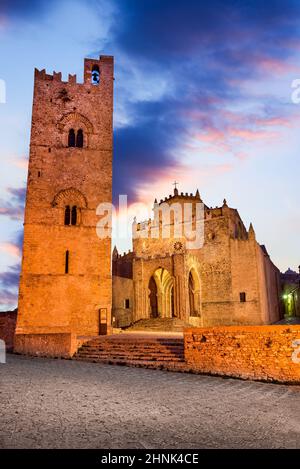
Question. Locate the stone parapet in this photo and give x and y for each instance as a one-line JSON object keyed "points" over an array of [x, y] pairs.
{"points": [[267, 353]]}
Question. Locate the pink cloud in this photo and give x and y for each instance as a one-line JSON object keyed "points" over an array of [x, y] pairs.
{"points": [[20, 162], [241, 155], [250, 135], [210, 135], [11, 249], [274, 122], [276, 66], [232, 117]]}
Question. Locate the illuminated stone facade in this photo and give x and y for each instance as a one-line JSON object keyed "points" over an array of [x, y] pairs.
{"points": [[66, 288], [65, 284], [230, 279]]}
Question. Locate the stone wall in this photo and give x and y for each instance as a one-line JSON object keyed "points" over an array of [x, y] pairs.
{"points": [[7, 328], [122, 291], [122, 265], [251, 352], [54, 345]]}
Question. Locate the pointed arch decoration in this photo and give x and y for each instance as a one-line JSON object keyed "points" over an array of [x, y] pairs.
{"points": [[161, 285], [69, 197], [76, 120]]}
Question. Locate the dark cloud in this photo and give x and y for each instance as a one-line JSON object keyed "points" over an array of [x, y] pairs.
{"points": [[205, 49], [8, 299], [10, 278], [140, 150], [174, 29], [19, 239], [9, 281], [14, 206], [25, 8]]}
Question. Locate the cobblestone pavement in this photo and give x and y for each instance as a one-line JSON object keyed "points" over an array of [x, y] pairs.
{"points": [[67, 404]]}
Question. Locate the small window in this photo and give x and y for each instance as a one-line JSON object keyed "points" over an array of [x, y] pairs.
{"points": [[67, 262], [95, 80], [127, 303], [242, 297], [71, 140], [79, 139], [67, 215], [74, 215]]}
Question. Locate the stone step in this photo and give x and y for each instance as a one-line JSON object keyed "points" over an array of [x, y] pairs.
{"points": [[135, 338], [132, 349], [126, 353], [133, 357], [134, 352], [138, 354], [159, 324], [129, 350], [171, 366]]}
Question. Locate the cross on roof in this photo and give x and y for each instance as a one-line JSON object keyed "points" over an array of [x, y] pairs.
{"points": [[175, 184]]}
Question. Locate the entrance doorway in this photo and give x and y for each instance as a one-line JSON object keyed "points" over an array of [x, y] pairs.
{"points": [[161, 294], [153, 298]]}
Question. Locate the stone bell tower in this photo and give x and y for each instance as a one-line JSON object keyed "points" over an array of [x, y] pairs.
{"points": [[65, 283]]}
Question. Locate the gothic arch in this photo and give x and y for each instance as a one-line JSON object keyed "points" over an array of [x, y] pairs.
{"points": [[70, 197], [76, 122], [194, 289], [164, 283]]}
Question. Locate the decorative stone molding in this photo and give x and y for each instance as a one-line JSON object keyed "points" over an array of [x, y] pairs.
{"points": [[69, 196], [76, 120]]}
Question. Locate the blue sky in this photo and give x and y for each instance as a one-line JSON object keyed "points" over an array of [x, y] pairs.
{"points": [[202, 95]]}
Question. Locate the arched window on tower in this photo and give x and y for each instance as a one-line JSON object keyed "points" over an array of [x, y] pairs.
{"points": [[74, 215], [95, 80], [71, 140], [67, 215], [79, 139]]}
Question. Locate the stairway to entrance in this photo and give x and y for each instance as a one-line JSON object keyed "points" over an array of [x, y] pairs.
{"points": [[142, 350], [159, 324]]}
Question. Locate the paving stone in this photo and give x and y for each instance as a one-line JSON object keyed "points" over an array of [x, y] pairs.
{"points": [[46, 403]]}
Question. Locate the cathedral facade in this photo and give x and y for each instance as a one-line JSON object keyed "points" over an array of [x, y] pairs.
{"points": [[228, 279]]}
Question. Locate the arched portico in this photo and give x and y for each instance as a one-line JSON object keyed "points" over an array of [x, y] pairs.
{"points": [[161, 294]]}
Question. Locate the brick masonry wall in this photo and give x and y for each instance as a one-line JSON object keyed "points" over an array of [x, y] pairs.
{"points": [[56, 345], [249, 352], [7, 328], [122, 290], [60, 176]]}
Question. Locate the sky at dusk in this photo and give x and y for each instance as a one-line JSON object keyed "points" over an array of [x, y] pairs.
{"points": [[202, 95]]}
